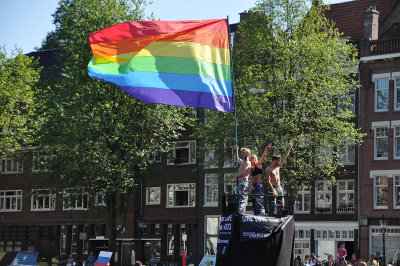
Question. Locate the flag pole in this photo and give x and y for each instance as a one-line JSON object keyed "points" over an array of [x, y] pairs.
{"points": [[234, 111], [233, 88]]}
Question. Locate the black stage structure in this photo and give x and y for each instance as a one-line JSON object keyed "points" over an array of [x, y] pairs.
{"points": [[255, 240]]}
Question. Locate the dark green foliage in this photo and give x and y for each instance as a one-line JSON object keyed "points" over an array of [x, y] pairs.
{"points": [[294, 75]]}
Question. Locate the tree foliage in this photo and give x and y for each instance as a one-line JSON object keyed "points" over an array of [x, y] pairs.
{"points": [[294, 77], [101, 137], [18, 77]]}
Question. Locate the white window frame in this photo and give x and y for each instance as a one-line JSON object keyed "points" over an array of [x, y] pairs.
{"points": [[191, 192], [182, 239], [323, 192], [396, 75], [155, 158], [4, 197], [41, 194], [345, 156], [396, 136], [346, 191], [396, 188], [191, 145], [228, 146], [375, 194], [206, 235], [170, 240], [14, 163], [40, 155], [100, 195], [209, 158], [82, 193], [375, 78], [155, 190], [375, 126], [211, 186], [230, 187], [299, 245], [302, 193]]}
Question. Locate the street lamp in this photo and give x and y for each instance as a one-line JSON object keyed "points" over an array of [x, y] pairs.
{"points": [[383, 224]]}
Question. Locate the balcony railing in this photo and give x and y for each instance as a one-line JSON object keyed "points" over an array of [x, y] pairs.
{"points": [[379, 47], [345, 210]]}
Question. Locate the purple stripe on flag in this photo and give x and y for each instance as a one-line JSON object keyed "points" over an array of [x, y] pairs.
{"points": [[181, 98], [100, 264]]}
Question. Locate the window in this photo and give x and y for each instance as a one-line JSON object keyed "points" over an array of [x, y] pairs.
{"points": [[324, 157], [229, 183], [170, 246], [39, 160], [75, 199], [345, 200], [323, 198], [228, 154], [347, 154], [397, 93], [211, 238], [183, 152], [382, 94], [352, 106], [302, 249], [155, 157], [209, 157], [211, 189], [381, 192], [302, 234], [10, 200], [43, 200], [396, 191], [381, 146], [181, 195], [153, 195], [100, 199], [157, 229], [11, 166], [392, 240], [396, 142], [303, 200], [183, 237]]}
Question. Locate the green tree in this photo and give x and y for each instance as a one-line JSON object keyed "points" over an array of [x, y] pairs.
{"points": [[18, 77], [294, 76], [101, 136]]}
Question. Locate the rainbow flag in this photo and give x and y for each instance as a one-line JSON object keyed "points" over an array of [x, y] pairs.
{"points": [[181, 63]]}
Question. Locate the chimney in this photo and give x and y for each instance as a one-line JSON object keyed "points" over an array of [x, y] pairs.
{"points": [[244, 15], [371, 24]]}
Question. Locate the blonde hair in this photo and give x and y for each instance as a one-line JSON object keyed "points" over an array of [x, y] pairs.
{"points": [[246, 150]]}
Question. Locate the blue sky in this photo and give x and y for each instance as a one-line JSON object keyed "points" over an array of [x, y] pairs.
{"points": [[25, 23]]}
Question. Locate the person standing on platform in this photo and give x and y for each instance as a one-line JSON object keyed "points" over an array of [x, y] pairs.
{"points": [[257, 187], [243, 177], [274, 182]]}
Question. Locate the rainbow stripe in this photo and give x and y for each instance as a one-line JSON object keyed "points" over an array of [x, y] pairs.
{"points": [[182, 63]]}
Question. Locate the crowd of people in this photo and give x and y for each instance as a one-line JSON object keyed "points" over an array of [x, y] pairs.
{"points": [[341, 254]]}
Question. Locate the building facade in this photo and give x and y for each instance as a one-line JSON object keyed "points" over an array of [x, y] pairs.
{"points": [[374, 27]]}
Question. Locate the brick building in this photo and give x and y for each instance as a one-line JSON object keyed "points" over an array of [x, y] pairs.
{"points": [[34, 217], [374, 26], [177, 206]]}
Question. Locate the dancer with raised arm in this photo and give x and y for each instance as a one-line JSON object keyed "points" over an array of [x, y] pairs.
{"points": [[257, 187], [243, 176], [274, 182]]}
